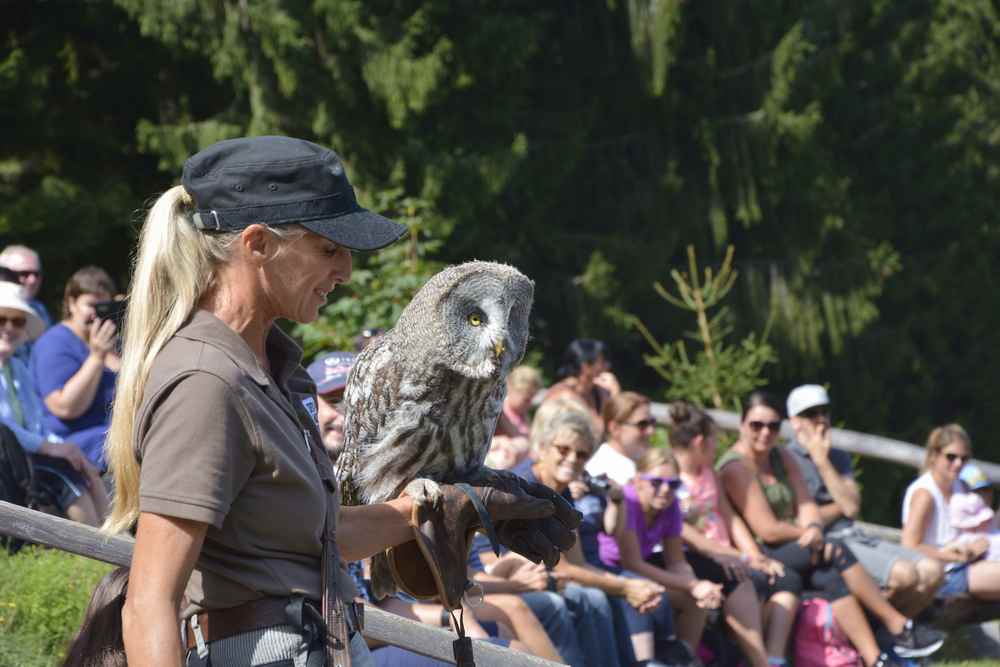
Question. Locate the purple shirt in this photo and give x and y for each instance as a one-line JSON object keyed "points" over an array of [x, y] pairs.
{"points": [[667, 523]]}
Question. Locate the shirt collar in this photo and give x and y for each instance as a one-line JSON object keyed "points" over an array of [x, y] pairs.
{"points": [[282, 352]]}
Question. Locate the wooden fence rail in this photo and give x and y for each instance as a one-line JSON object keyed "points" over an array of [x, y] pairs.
{"points": [[39, 528]]}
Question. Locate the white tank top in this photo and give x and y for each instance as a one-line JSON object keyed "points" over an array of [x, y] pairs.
{"points": [[939, 531]]}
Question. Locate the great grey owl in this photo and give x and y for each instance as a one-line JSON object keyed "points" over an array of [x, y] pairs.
{"points": [[422, 402]]}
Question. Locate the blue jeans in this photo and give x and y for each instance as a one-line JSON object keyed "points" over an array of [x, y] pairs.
{"points": [[554, 615], [595, 625]]}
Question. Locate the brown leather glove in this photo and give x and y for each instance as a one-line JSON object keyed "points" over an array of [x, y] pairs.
{"points": [[538, 538], [531, 519]]}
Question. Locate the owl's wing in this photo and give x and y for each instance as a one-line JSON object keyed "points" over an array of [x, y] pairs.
{"points": [[371, 392]]}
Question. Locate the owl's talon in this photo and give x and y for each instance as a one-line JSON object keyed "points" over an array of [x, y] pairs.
{"points": [[424, 492]]}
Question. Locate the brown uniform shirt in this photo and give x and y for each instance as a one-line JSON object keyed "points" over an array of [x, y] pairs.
{"points": [[223, 442]]}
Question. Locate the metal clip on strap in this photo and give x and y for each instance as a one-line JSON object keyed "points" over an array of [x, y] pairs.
{"points": [[199, 637], [484, 516]]}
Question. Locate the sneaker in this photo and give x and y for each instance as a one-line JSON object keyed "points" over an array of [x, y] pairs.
{"points": [[677, 654], [917, 641]]}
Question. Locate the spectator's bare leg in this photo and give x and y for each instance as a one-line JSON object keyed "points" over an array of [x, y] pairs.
{"points": [[511, 610], [852, 621], [743, 616], [689, 619], [643, 646], [867, 592], [779, 618], [83, 511], [930, 575], [901, 588], [984, 580]]}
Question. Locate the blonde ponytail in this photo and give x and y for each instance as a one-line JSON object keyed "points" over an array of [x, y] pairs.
{"points": [[174, 265]]}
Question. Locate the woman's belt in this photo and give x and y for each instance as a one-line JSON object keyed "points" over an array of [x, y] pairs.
{"points": [[222, 623]]}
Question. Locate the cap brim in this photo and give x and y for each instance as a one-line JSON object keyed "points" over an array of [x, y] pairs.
{"points": [[360, 230], [330, 387]]}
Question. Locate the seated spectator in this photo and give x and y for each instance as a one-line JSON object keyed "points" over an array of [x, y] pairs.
{"points": [[515, 419], [507, 453], [740, 607], [973, 520], [926, 524], [909, 578], [329, 371], [975, 480], [75, 364], [711, 526], [63, 474], [765, 486], [27, 266], [564, 445], [586, 375], [628, 425]]}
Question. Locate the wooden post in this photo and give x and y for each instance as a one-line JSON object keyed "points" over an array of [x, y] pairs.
{"points": [[50, 531]]}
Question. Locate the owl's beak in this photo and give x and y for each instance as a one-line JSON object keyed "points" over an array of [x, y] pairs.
{"points": [[498, 348]]}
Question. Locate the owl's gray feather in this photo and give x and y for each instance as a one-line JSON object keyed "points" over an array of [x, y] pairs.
{"points": [[423, 400]]}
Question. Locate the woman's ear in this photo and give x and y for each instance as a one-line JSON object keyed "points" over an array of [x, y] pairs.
{"points": [[257, 243]]}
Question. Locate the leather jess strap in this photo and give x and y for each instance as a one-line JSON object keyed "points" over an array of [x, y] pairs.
{"points": [[222, 623]]}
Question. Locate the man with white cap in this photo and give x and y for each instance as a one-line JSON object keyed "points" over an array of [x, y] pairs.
{"points": [[329, 371], [909, 578]]}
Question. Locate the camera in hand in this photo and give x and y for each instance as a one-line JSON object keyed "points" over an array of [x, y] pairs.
{"points": [[111, 310], [599, 484]]}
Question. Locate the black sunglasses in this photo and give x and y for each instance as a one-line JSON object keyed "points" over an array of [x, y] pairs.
{"points": [[757, 426], [954, 457], [643, 423], [16, 322], [21, 275]]}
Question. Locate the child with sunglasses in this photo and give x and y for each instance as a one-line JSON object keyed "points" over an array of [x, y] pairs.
{"points": [[653, 518], [764, 484], [926, 521]]}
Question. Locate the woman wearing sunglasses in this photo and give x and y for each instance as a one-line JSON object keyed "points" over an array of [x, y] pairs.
{"points": [[926, 525], [653, 518], [711, 527], [765, 486]]}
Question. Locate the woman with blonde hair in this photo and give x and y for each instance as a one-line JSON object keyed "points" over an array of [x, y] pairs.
{"points": [[926, 525], [214, 445]]}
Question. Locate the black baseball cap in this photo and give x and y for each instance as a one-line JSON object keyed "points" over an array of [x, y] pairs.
{"points": [[279, 181]]}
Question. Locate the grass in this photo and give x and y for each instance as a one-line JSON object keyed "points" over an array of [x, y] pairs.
{"points": [[43, 595]]}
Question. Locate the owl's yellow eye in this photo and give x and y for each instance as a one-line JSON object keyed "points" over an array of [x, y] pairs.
{"points": [[475, 320]]}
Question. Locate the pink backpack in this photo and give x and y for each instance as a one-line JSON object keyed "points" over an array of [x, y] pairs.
{"points": [[819, 641]]}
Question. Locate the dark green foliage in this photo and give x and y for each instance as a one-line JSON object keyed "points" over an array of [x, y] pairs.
{"points": [[848, 150]]}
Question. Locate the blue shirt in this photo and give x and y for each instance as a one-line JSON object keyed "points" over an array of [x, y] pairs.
{"points": [[56, 357], [18, 388]]}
